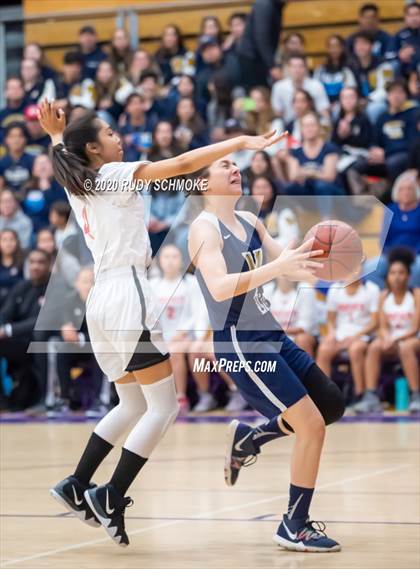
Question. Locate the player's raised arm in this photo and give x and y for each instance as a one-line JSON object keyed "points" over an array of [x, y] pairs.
{"points": [[200, 157], [205, 249]]}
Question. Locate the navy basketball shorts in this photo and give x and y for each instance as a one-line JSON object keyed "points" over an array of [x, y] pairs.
{"points": [[266, 366]]}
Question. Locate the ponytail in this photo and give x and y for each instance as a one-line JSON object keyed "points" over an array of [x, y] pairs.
{"points": [[70, 162]]}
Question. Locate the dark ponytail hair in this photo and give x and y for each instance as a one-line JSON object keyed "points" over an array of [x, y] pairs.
{"points": [[70, 162]]}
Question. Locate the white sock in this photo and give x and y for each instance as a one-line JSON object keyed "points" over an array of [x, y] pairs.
{"points": [[162, 410], [130, 408]]}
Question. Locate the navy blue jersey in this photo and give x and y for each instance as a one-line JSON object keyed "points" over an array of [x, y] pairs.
{"points": [[249, 344], [246, 311]]}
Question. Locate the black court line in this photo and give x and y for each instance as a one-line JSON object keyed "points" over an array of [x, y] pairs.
{"points": [[199, 519], [219, 457]]}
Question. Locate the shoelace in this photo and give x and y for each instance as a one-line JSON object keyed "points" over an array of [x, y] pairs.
{"points": [[313, 530], [128, 502]]}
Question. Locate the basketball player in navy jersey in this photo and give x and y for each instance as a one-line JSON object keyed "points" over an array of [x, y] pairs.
{"points": [[234, 256]]}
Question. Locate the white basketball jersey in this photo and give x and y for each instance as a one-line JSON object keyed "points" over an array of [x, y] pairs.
{"points": [[182, 306], [399, 316], [113, 221], [294, 309], [353, 311]]}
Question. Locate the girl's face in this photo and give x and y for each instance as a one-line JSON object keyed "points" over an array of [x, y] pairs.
{"points": [[362, 47], [32, 51], [185, 109], [294, 44], [108, 146], [348, 100], [42, 167], [136, 106], [259, 163], [170, 260], [29, 70], [120, 41], [224, 179], [300, 104], [45, 241], [141, 60], [334, 48], [407, 192], [398, 276], [263, 189], [164, 134], [259, 100], [105, 73], [170, 38], [8, 243], [210, 27], [15, 140], [185, 86], [310, 127]]}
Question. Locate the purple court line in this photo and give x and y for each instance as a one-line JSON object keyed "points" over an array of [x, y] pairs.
{"points": [[19, 418], [192, 519]]}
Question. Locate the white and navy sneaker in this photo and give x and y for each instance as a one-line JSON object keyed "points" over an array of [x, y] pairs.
{"points": [[70, 494], [240, 450], [304, 535], [109, 508]]}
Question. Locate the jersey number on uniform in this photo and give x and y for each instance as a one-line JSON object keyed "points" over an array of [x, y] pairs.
{"points": [[254, 260], [86, 226]]}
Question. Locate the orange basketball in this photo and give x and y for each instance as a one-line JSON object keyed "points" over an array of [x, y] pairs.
{"points": [[342, 246]]}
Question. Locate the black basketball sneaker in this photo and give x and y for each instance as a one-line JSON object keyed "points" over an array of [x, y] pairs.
{"points": [[240, 450], [70, 493], [109, 508]]}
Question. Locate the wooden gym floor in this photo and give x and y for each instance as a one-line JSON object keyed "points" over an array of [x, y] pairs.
{"points": [[184, 517]]}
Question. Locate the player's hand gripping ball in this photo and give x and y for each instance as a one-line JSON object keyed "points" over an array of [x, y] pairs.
{"points": [[342, 246]]}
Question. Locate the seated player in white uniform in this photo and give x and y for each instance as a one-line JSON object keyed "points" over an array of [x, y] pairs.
{"points": [[352, 319], [292, 306], [180, 317], [398, 338]]}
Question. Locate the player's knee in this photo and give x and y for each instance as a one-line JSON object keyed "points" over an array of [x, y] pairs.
{"points": [[315, 425], [356, 350], [405, 348], [334, 405], [325, 394]]}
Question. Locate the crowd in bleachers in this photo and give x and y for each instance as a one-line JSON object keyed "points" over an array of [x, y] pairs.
{"points": [[354, 129]]}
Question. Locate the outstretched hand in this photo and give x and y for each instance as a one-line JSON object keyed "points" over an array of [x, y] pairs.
{"points": [[296, 264], [263, 141], [52, 118]]}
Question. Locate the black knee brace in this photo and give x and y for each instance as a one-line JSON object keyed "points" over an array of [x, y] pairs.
{"points": [[325, 394]]}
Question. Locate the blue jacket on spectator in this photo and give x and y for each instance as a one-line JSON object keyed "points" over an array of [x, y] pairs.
{"points": [[395, 132], [91, 62], [133, 150], [404, 229], [9, 277], [16, 172], [405, 37], [382, 46], [37, 204]]}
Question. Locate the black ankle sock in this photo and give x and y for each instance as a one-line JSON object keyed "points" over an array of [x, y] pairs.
{"points": [[95, 452], [126, 470], [268, 432]]}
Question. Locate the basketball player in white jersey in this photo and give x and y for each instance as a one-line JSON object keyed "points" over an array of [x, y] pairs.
{"points": [[398, 338], [183, 314], [292, 306], [121, 309], [352, 319]]}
